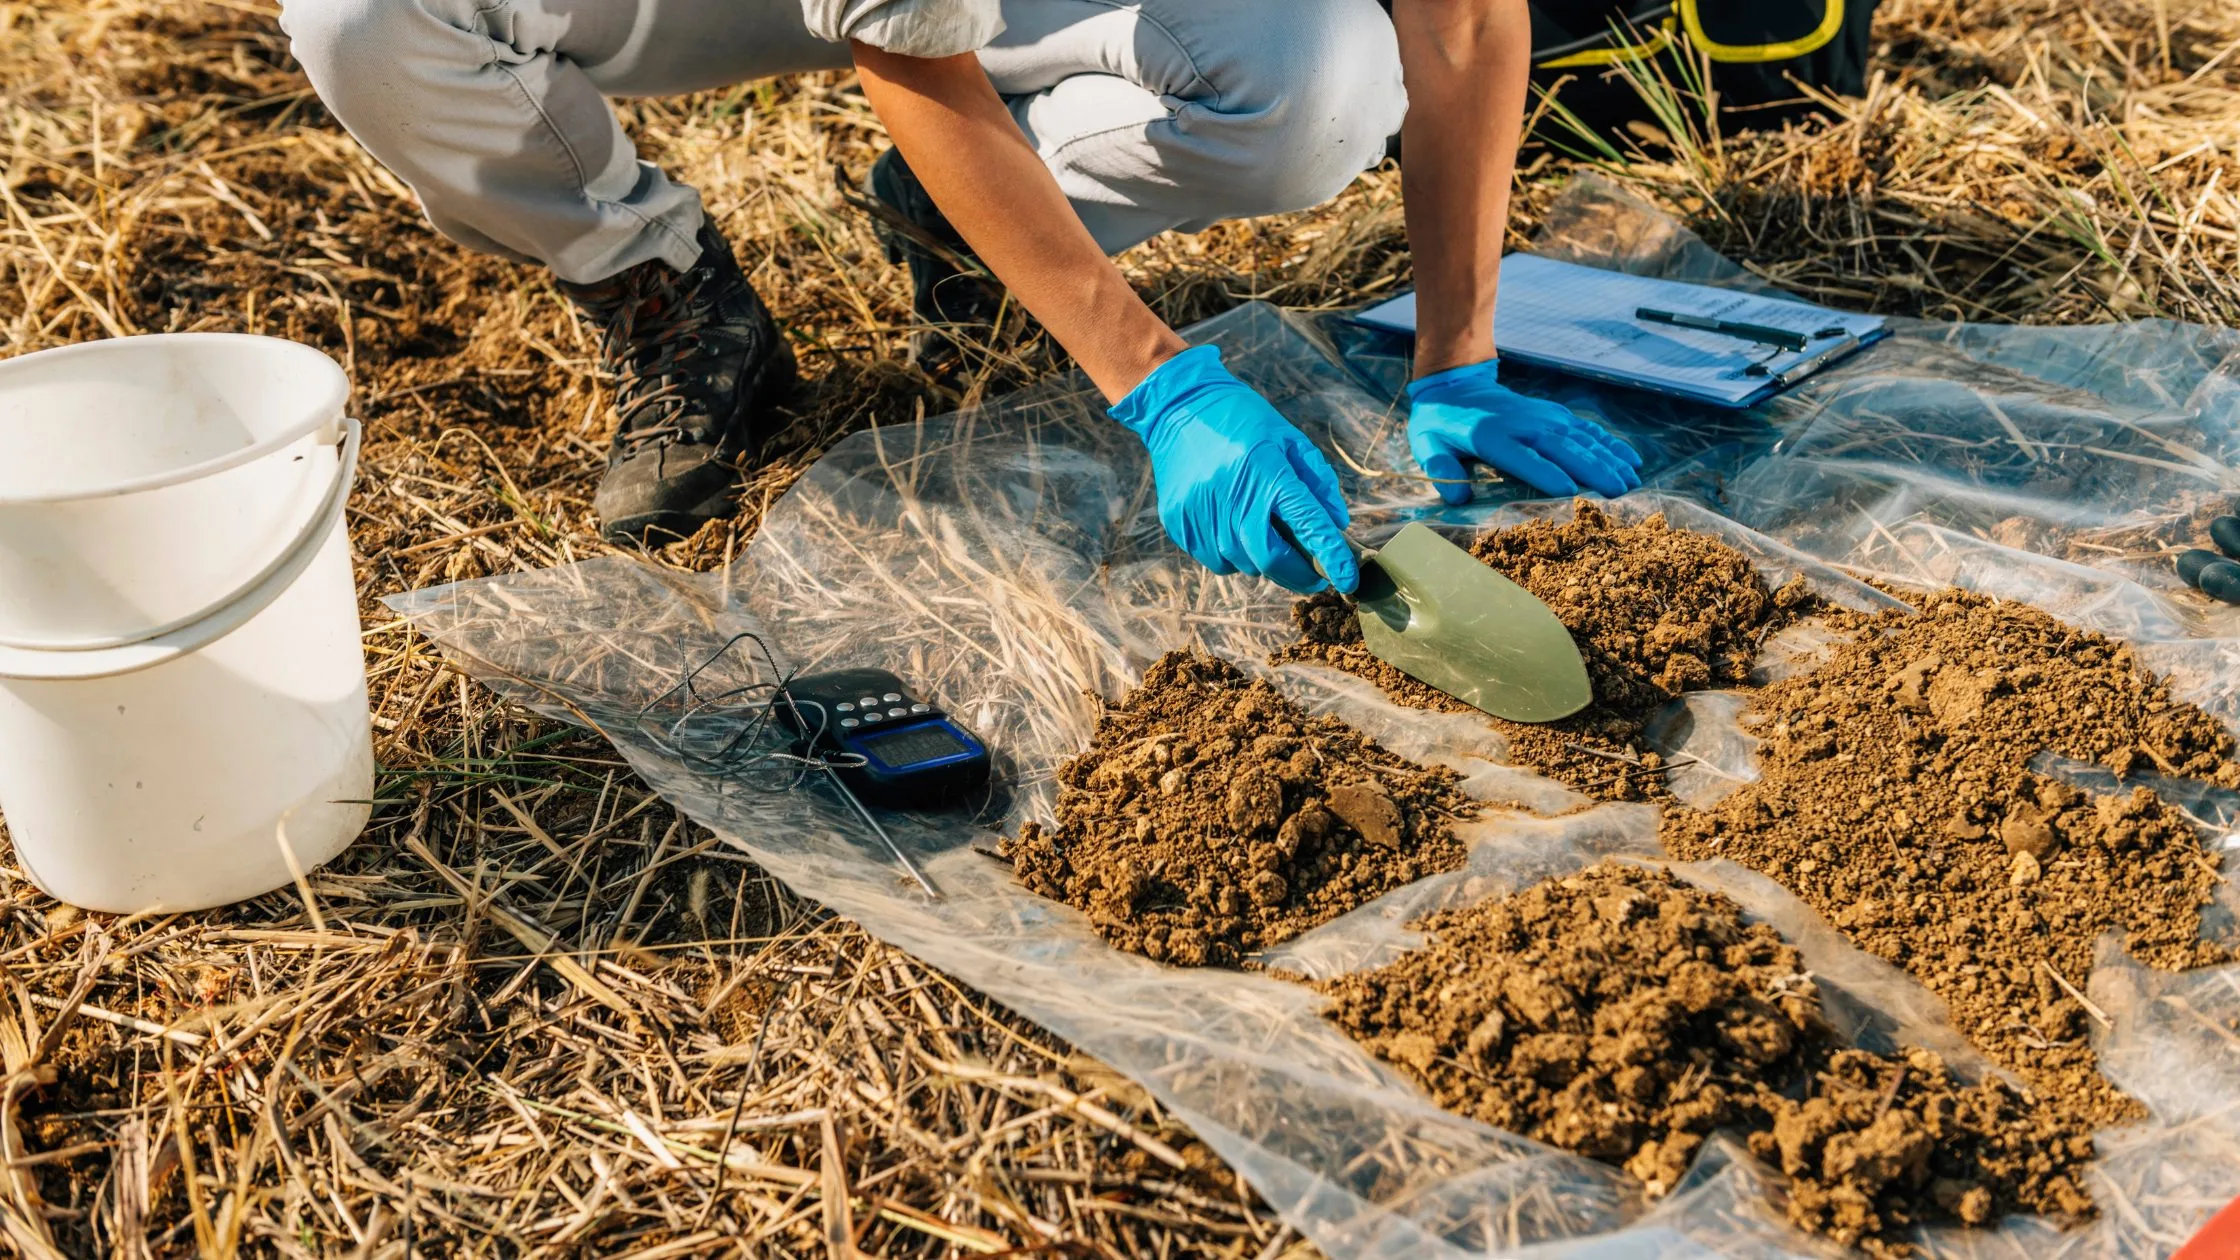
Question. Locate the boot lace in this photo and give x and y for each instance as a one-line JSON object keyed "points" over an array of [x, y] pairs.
{"points": [[652, 325]]}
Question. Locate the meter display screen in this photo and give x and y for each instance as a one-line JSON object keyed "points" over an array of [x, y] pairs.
{"points": [[918, 744]]}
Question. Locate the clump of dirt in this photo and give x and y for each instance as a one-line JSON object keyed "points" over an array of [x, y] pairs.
{"points": [[1625, 1015], [1896, 799], [1881, 1142], [1617, 1013], [1657, 611], [1211, 817], [1666, 610]]}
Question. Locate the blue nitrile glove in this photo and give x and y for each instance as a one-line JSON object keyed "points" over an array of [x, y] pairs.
{"points": [[1465, 413], [1227, 464]]}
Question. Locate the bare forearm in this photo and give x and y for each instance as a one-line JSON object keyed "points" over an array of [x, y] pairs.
{"points": [[954, 131], [1467, 64]]}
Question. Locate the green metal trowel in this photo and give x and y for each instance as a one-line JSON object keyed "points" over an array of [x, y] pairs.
{"points": [[1447, 619]]}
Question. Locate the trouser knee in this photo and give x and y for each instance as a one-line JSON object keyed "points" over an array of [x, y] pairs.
{"points": [[360, 53], [1310, 110]]}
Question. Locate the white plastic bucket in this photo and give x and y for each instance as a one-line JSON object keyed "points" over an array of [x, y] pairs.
{"points": [[182, 687]]}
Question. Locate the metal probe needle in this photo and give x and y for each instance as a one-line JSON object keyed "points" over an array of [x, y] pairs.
{"points": [[892, 847]]}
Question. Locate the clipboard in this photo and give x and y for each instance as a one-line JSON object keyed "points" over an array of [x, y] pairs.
{"points": [[1582, 321]]}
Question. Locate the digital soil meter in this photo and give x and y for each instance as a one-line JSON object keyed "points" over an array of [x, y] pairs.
{"points": [[897, 749]]}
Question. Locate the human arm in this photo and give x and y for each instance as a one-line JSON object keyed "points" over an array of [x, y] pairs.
{"points": [[1467, 64], [1226, 464], [993, 188]]}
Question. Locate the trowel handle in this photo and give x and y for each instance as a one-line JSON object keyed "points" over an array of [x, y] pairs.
{"points": [[1361, 555], [1375, 587]]}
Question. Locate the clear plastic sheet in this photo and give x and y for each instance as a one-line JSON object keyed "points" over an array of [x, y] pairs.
{"points": [[1010, 561]]}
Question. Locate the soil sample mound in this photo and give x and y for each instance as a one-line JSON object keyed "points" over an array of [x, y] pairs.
{"points": [[1617, 1013], [1625, 1015], [1896, 799], [1656, 611], [1880, 1142], [1212, 817], [1663, 610]]}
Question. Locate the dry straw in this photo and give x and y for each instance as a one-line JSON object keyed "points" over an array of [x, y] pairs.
{"points": [[536, 1013]]}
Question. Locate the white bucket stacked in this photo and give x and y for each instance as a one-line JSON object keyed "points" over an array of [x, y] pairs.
{"points": [[182, 688]]}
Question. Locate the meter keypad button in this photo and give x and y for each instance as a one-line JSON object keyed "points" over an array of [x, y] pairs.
{"points": [[849, 724], [845, 707], [869, 702], [891, 698], [898, 711], [874, 717], [921, 707]]}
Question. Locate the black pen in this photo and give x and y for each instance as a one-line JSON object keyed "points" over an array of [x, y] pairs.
{"points": [[1781, 337]]}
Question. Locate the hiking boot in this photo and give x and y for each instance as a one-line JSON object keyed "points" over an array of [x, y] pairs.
{"points": [[951, 294], [697, 365]]}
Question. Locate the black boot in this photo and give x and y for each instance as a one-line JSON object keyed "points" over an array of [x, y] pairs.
{"points": [[956, 304], [697, 366]]}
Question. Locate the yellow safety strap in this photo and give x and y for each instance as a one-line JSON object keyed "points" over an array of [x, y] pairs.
{"points": [[1830, 22], [1659, 40]]}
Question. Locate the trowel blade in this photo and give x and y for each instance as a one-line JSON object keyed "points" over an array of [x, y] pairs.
{"points": [[1448, 620]]}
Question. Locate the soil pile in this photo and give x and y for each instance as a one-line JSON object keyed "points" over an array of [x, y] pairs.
{"points": [[1212, 817], [1656, 611], [1617, 1013], [1665, 610], [1896, 799], [1880, 1142], [1624, 1015]]}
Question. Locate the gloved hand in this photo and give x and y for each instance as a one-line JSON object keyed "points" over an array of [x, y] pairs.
{"points": [[1465, 413], [1227, 464]]}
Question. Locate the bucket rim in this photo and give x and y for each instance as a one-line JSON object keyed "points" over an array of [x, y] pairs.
{"points": [[73, 663], [324, 413]]}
